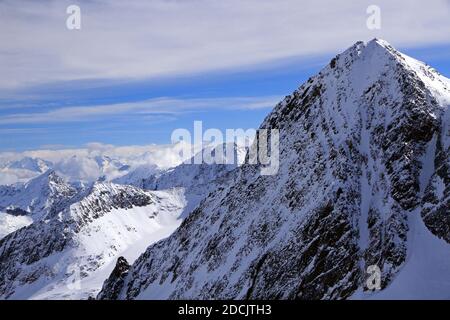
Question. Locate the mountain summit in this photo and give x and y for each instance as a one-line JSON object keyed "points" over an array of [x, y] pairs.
{"points": [[363, 181]]}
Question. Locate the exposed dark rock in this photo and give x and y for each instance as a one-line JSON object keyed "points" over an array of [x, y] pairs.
{"points": [[113, 285]]}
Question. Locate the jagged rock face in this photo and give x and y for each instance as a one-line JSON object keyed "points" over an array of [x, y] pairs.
{"points": [[26, 247], [114, 283], [353, 147], [81, 242], [436, 201], [104, 197]]}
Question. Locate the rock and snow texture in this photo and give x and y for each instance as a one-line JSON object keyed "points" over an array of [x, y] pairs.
{"points": [[425, 274], [363, 180], [115, 281], [189, 175], [40, 196], [68, 254], [196, 180], [79, 229]]}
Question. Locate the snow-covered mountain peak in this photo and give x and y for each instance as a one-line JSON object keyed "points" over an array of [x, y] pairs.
{"points": [[365, 63], [361, 50], [38, 197], [49, 177], [380, 44], [48, 182], [31, 164], [363, 173]]}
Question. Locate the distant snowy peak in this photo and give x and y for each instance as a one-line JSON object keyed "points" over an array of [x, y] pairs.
{"points": [[74, 168], [47, 179], [194, 174], [22, 169], [106, 164], [38, 197], [138, 176], [230, 153], [31, 164], [90, 168], [86, 166]]}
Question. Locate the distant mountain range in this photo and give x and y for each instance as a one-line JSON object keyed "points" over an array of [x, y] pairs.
{"points": [[88, 165]]}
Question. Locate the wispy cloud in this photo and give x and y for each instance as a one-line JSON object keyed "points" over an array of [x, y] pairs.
{"points": [[147, 39], [152, 108]]}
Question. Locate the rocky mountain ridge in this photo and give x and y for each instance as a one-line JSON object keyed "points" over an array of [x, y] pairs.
{"points": [[363, 156]]}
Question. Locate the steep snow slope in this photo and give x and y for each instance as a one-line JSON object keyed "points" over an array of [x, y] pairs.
{"points": [[426, 271], [356, 146], [425, 274], [70, 253]]}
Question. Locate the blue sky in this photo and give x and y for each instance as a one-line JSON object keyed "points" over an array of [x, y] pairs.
{"points": [[273, 83], [52, 96]]}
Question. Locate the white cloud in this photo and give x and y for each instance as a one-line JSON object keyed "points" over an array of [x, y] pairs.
{"points": [[82, 164], [147, 39], [141, 108], [161, 155]]}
